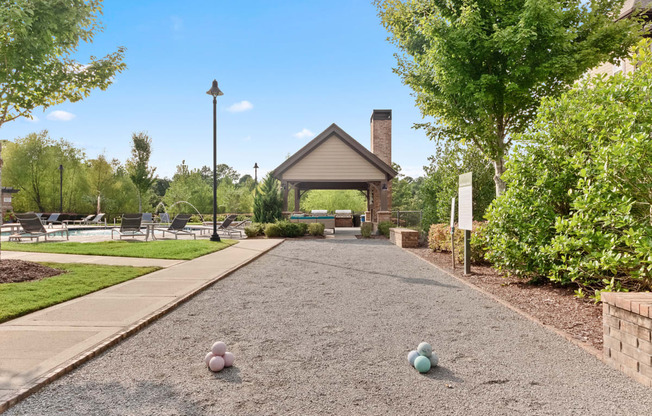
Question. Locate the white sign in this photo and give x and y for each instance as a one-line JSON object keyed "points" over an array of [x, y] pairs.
{"points": [[452, 214], [465, 202], [7, 199]]}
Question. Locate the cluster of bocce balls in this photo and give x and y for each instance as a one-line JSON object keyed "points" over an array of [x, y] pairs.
{"points": [[423, 358], [218, 357]]}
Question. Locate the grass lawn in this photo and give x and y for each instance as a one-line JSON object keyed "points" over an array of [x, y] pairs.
{"points": [[18, 299], [167, 249]]}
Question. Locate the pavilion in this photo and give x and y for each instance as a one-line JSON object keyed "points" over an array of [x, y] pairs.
{"points": [[335, 160]]}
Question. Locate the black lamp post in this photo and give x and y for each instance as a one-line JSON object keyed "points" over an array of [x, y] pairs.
{"points": [[60, 188], [215, 92], [256, 173]]}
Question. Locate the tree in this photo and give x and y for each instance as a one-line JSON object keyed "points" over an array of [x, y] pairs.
{"points": [[141, 174], [442, 182], [31, 165], [334, 199], [268, 204], [480, 68], [37, 42]]}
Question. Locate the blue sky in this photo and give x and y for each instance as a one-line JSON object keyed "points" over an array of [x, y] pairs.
{"points": [[288, 70]]}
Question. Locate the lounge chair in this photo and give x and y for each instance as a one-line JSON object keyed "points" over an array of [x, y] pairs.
{"points": [[227, 228], [147, 217], [99, 218], [53, 219], [82, 221], [33, 228], [130, 227], [164, 218], [177, 227]]}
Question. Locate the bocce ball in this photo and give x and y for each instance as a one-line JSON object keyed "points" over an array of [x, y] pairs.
{"points": [[434, 360], [424, 349], [217, 363], [229, 358], [421, 363], [208, 357], [219, 348], [412, 355]]}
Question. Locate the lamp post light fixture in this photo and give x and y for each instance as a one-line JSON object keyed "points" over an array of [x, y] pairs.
{"points": [[60, 188], [215, 92], [256, 173]]}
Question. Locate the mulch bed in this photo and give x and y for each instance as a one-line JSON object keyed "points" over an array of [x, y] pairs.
{"points": [[15, 271], [553, 305]]}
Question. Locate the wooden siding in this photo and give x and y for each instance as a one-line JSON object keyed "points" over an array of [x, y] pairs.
{"points": [[333, 159]]}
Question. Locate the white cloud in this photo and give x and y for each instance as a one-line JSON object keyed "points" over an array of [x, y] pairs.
{"points": [[304, 134], [241, 106], [412, 171], [59, 115]]}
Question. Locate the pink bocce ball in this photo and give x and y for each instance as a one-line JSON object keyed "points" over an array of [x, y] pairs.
{"points": [[216, 363], [208, 357], [229, 358], [219, 348]]}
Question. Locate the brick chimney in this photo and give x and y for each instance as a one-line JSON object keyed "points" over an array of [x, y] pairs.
{"points": [[381, 135], [381, 146]]}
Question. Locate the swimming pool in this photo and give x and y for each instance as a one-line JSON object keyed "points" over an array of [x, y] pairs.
{"points": [[93, 232]]}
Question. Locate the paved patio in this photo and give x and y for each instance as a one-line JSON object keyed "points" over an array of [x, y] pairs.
{"points": [[324, 327]]}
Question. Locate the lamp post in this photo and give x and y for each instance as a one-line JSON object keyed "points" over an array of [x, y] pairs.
{"points": [[215, 92], [256, 173], [60, 188]]}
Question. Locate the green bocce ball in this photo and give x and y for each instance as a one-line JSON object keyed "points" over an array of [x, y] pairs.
{"points": [[422, 364]]}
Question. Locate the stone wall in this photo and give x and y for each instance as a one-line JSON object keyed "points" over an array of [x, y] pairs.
{"points": [[404, 237], [627, 319]]}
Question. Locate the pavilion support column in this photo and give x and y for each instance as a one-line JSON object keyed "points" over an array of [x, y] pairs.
{"points": [[383, 196], [284, 186], [297, 200]]}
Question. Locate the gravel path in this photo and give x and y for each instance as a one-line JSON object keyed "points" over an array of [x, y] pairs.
{"points": [[324, 327]]}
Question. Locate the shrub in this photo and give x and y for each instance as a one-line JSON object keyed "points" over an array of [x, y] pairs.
{"points": [[251, 231], [576, 210], [384, 226], [366, 228], [316, 228], [291, 229], [439, 239], [272, 231], [303, 228]]}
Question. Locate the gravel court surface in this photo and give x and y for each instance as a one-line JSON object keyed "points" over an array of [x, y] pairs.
{"points": [[324, 327]]}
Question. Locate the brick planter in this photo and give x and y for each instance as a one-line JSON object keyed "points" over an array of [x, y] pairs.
{"points": [[627, 321], [404, 237]]}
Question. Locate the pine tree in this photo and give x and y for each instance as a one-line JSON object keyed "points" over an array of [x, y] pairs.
{"points": [[267, 201]]}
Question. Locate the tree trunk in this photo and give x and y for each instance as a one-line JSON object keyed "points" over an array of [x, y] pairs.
{"points": [[140, 203], [499, 169]]}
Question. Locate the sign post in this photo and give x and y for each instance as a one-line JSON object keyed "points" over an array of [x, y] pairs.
{"points": [[453, 232], [465, 215]]}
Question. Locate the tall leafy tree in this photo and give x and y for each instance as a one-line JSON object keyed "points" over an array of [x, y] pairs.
{"points": [[481, 67], [268, 204], [141, 174], [37, 42], [32, 164]]}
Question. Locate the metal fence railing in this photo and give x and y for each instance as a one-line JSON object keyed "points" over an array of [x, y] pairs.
{"points": [[407, 219]]}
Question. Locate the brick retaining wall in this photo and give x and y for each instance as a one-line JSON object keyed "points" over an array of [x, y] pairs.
{"points": [[404, 237], [627, 319]]}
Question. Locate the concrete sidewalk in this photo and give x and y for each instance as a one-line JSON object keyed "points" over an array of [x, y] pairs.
{"points": [[40, 347], [79, 258]]}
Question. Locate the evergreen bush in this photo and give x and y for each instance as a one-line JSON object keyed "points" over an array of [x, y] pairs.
{"points": [[316, 228]]}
